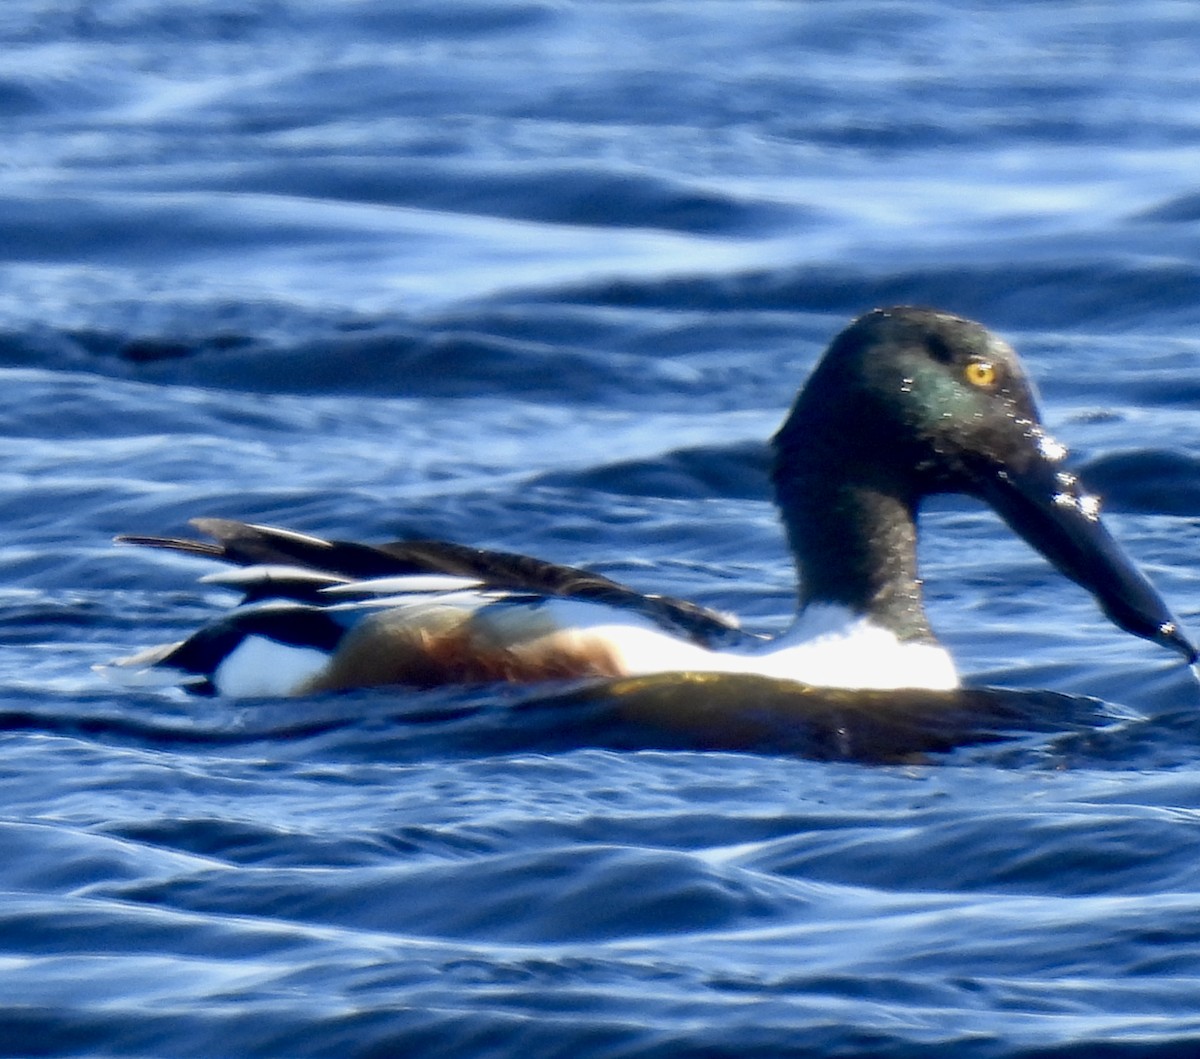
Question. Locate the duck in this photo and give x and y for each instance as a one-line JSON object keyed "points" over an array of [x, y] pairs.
{"points": [[905, 403]]}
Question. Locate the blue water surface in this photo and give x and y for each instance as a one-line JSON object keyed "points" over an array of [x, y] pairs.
{"points": [[544, 276]]}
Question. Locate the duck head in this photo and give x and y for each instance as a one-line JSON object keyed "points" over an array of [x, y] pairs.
{"points": [[910, 402]]}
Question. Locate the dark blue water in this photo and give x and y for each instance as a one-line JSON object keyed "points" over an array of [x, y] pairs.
{"points": [[543, 277]]}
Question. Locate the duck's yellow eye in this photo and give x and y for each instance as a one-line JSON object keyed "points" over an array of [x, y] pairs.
{"points": [[980, 373]]}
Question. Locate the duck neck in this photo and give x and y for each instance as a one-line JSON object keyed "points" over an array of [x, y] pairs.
{"points": [[855, 544]]}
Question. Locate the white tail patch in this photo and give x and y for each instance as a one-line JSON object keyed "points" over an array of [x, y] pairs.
{"points": [[261, 667]]}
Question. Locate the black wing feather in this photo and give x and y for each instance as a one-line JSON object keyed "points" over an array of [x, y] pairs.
{"points": [[248, 545]]}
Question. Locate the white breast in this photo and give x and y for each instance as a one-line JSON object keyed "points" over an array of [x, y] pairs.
{"points": [[828, 646]]}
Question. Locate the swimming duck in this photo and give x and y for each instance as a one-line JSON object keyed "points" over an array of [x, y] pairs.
{"points": [[905, 403]]}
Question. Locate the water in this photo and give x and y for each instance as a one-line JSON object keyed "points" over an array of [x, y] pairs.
{"points": [[543, 277]]}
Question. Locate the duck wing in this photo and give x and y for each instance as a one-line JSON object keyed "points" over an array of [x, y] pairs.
{"points": [[289, 565]]}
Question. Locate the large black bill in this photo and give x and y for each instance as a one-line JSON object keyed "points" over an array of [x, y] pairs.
{"points": [[1046, 506]]}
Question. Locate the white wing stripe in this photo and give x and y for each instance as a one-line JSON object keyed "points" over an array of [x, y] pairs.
{"points": [[405, 584]]}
